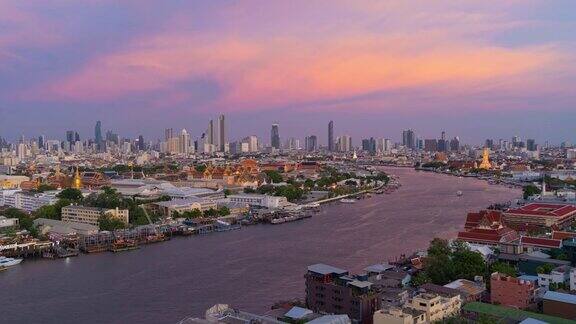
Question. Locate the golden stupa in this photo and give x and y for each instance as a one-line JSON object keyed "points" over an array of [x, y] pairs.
{"points": [[485, 165], [77, 182]]}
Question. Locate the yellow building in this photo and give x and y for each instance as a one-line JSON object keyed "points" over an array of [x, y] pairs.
{"points": [[435, 306], [397, 315]]}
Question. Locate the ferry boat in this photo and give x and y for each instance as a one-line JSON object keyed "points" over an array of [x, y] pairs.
{"points": [[8, 262], [459, 193], [348, 201]]}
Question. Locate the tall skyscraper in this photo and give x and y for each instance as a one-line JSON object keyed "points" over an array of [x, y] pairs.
{"points": [[222, 138], [331, 136], [98, 135], [275, 137], [311, 143], [531, 145], [168, 134], [210, 133], [184, 142], [141, 145], [41, 141], [409, 139]]}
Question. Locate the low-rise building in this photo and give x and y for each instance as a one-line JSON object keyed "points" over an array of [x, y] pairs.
{"points": [[559, 275], [167, 208], [260, 200], [7, 224], [91, 215], [573, 279], [435, 306], [559, 304], [28, 201], [511, 292], [399, 315], [540, 215], [47, 226]]}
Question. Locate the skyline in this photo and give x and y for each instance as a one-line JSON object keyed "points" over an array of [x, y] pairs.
{"points": [[480, 69]]}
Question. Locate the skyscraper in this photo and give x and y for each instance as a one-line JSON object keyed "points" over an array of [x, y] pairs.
{"points": [[222, 134], [275, 137], [141, 146], [184, 142], [531, 145], [168, 134], [311, 143], [98, 135], [210, 133], [409, 139], [331, 136]]}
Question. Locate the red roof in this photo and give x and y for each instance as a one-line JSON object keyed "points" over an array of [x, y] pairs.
{"points": [[551, 210], [487, 217], [541, 242], [502, 234], [559, 235]]}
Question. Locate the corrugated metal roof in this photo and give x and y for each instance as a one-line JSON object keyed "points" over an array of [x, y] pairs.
{"points": [[560, 297]]}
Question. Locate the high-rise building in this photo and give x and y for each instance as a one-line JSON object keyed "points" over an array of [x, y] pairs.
{"points": [[41, 141], [98, 136], [383, 145], [275, 137], [210, 133], [311, 143], [345, 143], [430, 145], [531, 145], [168, 134], [184, 142], [455, 144], [369, 145], [222, 134], [252, 142], [331, 136], [489, 144], [409, 139], [141, 145]]}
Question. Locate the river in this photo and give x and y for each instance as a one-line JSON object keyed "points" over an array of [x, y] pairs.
{"points": [[249, 268]]}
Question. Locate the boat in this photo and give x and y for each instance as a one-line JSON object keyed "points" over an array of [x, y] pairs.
{"points": [[348, 201], [8, 262], [459, 193]]}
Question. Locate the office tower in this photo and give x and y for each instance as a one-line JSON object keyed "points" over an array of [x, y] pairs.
{"points": [[21, 151], [252, 142], [98, 136], [431, 145], [168, 134], [311, 143], [409, 139], [222, 138], [516, 141], [489, 144], [184, 142], [345, 143], [531, 145], [41, 141], [275, 137], [141, 145], [455, 144], [331, 136], [210, 133]]}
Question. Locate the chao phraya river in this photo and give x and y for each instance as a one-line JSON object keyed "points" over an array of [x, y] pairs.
{"points": [[249, 268]]}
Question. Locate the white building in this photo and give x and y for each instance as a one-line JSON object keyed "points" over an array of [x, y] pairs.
{"points": [[259, 200], [559, 275], [573, 279], [26, 200]]}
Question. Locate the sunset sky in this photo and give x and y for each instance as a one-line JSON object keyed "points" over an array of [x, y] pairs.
{"points": [[476, 69]]}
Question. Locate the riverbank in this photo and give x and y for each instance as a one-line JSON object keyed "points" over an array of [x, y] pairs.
{"points": [[249, 268]]}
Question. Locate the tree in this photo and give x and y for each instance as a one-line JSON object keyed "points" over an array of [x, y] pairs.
{"points": [[26, 222], [47, 211], [138, 216], [530, 190], [200, 167], [545, 268], [420, 279], [309, 183], [350, 183], [504, 268], [194, 213], [107, 223], [274, 176], [224, 211], [211, 212], [72, 194]]}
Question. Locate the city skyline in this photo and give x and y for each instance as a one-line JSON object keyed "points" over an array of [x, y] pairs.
{"points": [[475, 69]]}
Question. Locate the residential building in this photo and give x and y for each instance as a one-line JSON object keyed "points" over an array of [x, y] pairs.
{"points": [[334, 291], [558, 276], [435, 306], [91, 215], [511, 292], [399, 315]]}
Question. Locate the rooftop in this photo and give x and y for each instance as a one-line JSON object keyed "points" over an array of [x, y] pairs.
{"points": [[560, 297], [325, 269], [512, 313], [549, 210]]}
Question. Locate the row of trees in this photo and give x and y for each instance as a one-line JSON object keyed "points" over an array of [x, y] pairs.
{"points": [[196, 213], [448, 262]]}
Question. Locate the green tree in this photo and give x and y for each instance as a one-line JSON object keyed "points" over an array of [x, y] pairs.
{"points": [[107, 223], [530, 190], [211, 212], [47, 211], [420, 278], [200, 167], [72, 194], [504, 268], [224, 211], [194, 213], [309, 183], [545, 268], [45, 187], [274, 176], [138, 216]]}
